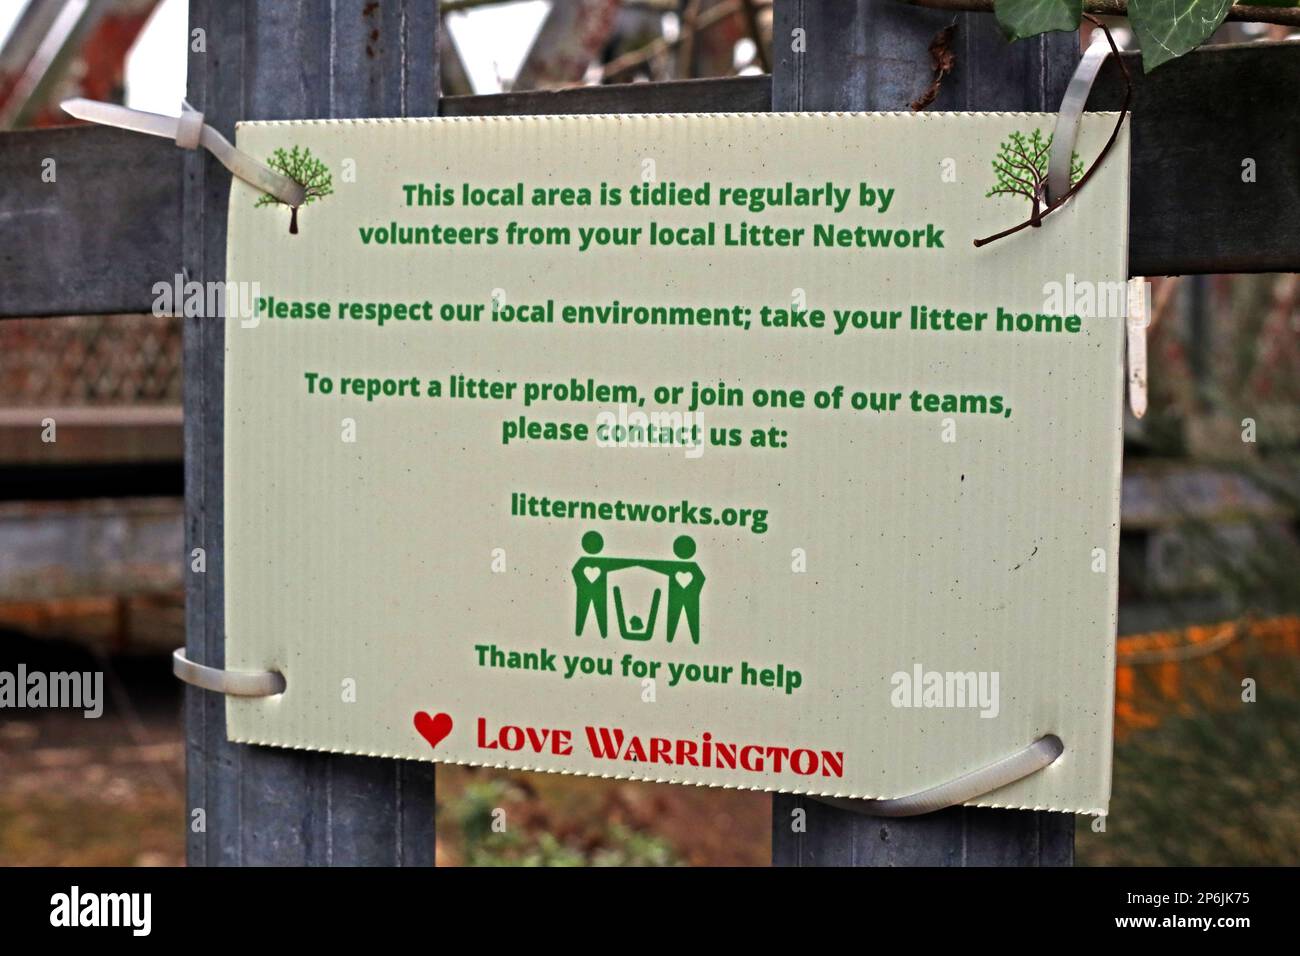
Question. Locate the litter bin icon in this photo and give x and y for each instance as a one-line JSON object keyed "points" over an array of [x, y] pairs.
{"points": [[631, 587]]}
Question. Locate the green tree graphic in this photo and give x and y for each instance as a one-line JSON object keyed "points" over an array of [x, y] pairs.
{"points": [[1021, 169], [307, 171]]}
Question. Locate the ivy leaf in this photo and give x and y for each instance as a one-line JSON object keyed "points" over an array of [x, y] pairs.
{"points": [[1027, 18], [1167, 29]]}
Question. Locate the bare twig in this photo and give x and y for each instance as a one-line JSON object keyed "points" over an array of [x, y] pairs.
{"points": [[1037, 218], [1240, 12]]}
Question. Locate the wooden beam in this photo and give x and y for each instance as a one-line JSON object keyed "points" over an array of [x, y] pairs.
{"points": [[872, 55], [1237, 12], [98, 237], [277, 60], [740, 94], [1196, 120]]}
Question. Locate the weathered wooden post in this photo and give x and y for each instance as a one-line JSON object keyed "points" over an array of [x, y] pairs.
{"points": [[257, 59], [874, 55]]}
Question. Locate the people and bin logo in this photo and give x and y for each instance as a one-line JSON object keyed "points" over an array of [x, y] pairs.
{"points": [[595, 574]]}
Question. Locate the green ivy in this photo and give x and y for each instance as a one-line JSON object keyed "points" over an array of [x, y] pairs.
{"points": [[1027, 18], [1166, 29]]}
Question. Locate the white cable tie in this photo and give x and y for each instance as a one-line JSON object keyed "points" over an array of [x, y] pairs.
{"points": [[1075, 99], [233, 683], [189, 127], [967, 787], [1137, 321], [190, 132]]}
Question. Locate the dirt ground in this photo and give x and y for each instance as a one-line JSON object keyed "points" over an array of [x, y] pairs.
{"points": [[102, 792]]}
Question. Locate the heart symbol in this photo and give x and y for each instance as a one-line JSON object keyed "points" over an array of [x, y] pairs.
{"points": [[433, 729], [684, 577], [591, 574]]}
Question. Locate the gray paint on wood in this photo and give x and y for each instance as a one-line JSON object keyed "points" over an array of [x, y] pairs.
{"points": [[958, 836], [283, 60], [1195, 121], [739, 94], [873, 55], [100, 235]]}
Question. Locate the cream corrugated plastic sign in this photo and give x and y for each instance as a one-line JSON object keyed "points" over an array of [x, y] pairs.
{"points": [[704, 449]]}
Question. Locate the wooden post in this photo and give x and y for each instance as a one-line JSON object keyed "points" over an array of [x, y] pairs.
{"points": [[277, 59], [874, 55]]}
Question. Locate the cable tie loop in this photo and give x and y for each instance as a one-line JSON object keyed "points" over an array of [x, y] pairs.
{"points": [[231, 683]]}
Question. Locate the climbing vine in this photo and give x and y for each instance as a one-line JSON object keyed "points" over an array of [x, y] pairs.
{"points": [[1166, 29]]}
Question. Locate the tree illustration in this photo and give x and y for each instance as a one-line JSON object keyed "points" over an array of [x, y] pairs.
{"points": [[307, 171], [1021, 169]]}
